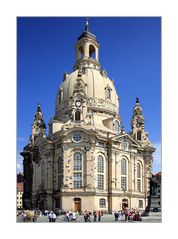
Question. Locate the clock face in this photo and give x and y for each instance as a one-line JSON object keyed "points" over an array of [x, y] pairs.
{"points": [[78, 103], [138, 125]]}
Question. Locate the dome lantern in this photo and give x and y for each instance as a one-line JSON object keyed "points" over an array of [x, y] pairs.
{"points": [[87, 50]]}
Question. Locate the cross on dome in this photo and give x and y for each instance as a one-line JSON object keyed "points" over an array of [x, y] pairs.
{"points": [[86, 25]]}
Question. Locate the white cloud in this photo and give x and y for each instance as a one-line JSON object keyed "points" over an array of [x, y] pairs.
{"points": [[157, 158], [19, 166]]}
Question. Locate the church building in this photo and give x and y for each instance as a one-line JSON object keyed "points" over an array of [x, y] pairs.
{"points": [[86, 160]]}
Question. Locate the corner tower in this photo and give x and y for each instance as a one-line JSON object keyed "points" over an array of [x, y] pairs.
{"points": [[137, 124], [38, 126]]}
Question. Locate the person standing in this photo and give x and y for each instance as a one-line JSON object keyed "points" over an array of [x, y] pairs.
{"points": [[116, 215], [99, 216], [94, 216], [53, 217], [50, 216], [126, 214]]}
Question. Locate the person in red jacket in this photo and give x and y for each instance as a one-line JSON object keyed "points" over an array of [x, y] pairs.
{"points": [[99, 215]]}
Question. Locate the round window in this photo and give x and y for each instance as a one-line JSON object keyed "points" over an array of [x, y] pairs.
{"points": [[77, 137]]}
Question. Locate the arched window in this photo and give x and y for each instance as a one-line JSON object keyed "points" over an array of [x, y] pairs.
{"points": [[140, 203], [77, 161], [116, 126], [139, 135], [123, 174], [100, 164], [102, 202], [81, 53], [138, 170], [139, 177], [92, 53], [123, 167], [108, 93], [60, 94], [77, 116]]}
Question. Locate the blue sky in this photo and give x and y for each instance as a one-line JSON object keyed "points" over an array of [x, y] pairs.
{"points": [[130, 51]]}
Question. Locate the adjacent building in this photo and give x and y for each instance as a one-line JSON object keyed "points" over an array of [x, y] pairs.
{"points": [[87, 161], [19, 195]]}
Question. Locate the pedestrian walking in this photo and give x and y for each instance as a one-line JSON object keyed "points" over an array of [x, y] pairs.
{"points": [[94, 216], [53, 217], [116, 215], [99, 215], [50, 216]]}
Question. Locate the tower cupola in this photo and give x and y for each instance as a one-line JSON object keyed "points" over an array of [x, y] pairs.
{"points": [[87, 50]]}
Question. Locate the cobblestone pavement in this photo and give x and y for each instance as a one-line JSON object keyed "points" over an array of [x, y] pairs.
{"points": [[152, 218]]}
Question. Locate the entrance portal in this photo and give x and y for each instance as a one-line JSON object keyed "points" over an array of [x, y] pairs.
{"points": [[77, 204], [124, 203]]}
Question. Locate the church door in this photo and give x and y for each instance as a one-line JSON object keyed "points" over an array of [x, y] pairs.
{"points": [[124, 203], [77, 204]]}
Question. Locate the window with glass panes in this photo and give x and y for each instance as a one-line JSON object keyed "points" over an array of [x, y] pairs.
{"points": [[139, 185], [124, 183], [140, 204], [77, 161], [77, 177], [123, 167], [77, 136], [139, 177], [138, 170], [100, 181], [116, 126], [102, 202], [124, 174], [100, 169], [108, 93], [100, 164]]}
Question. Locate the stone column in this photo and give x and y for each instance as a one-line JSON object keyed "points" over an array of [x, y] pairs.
{"points": [[86, 50]]}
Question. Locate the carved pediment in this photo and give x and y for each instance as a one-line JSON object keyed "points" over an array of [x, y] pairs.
{"points": [[126, 141]]}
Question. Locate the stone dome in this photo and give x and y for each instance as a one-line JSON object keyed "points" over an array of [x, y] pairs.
{"points": [[87, 94], [96, 86]]}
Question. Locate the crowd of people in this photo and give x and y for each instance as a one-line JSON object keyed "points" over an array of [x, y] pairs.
{"points": [[96, 215], [29, 215], [128, 214]]}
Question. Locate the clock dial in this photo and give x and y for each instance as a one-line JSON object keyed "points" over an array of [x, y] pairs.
{"points": [[138, 125], [78, 103]]}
